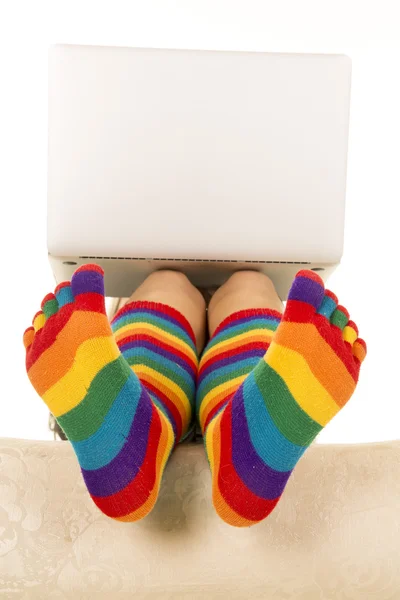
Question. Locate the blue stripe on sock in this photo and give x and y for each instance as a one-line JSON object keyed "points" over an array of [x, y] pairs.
{"points": [[152, 346], [164, 364], [64, 296], [248, 364], [272, 447], [265, 320], [270, 324], [138, 316], [164, 409], [233, 359], [327, 307], [104, 445]]}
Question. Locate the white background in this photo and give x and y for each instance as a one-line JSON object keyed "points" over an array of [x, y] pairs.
{"points": [[366, 281]]}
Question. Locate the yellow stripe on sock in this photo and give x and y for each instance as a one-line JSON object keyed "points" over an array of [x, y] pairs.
{"points": [[305, 339], [213, 443], [164, 449], [310, 395], [165, 385], [211, 399], [243, 338], [210, 441], [349, 334], [80, 327], [91, 356], [158, 333], [39, 322], [170, 438]]}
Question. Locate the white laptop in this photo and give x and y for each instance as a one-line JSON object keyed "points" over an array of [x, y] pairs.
{"points": [[205, 162]]}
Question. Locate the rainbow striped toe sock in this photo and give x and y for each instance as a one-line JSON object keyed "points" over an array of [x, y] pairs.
{"points": [[159, 345], [122, 433], [258, 416]]}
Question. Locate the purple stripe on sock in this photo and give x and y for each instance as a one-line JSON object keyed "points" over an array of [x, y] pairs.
{"points": [[151, 312], [269, 319], [156, 349], [124, 467], [307, 290], [230, 360], [87, 281], [260, 478], [164, 409]]}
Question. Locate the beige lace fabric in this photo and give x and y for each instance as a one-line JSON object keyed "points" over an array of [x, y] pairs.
{"points": [[334, 535]]}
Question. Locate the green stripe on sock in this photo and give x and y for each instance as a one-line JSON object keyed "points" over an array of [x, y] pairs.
{"points": [[287, 415], [339, 319], [159, 367], [85, 418], [216, 381], [147, 318], [244, 328], [50, 308]]}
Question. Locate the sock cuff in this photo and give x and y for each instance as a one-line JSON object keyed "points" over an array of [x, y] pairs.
{"points": [[164, 311], [247, 314], [158, 344]]}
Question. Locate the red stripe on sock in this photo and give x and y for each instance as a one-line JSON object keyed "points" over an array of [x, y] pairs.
{"points": [[48, 297], [343, 310], [236, 494], [140, 337], [61, 285], [53, 326], [231, 353], [310, 275], [332, 296], [353, 325], [247, 312], [216, 409], [90, 267], [302, 312], [362, 343], [168, 403], [334, 337], [299, 312], [37, 314], [90, 301], [168, 310], [135, 494]]}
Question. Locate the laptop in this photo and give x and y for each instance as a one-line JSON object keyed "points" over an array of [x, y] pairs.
{"points": [[202, 161]]}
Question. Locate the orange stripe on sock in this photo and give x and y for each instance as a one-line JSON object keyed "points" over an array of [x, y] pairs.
{"points": [[172, 350], [305, 339], [240, 340], [157, 333], [80, 327], [359, 349], [164, 447], [157, 383], [208, 405], [28, 337], [213, 444]]}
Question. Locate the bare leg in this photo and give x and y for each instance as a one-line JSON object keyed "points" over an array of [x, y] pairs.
{"points": [[244, 289], [174, 288]]}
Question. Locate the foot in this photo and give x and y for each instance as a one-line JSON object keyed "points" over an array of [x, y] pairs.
{"points": [[122, 440], [307, 375]]}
